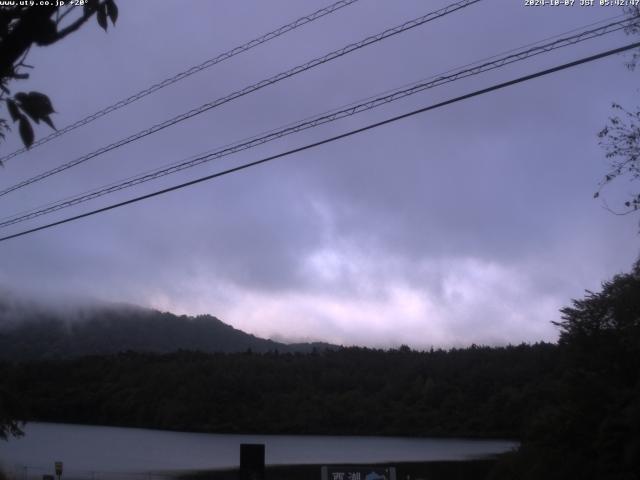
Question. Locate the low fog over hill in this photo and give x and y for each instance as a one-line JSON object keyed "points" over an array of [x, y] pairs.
{"points": [[31, 330]]}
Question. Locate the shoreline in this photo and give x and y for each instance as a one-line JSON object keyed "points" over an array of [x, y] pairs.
{"points": [[435, 436]]}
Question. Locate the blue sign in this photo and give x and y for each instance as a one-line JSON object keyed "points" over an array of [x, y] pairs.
{"points": [[358, 472]]}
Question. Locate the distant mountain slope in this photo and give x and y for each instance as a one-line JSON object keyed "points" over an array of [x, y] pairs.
{"points": [[32, 332]]}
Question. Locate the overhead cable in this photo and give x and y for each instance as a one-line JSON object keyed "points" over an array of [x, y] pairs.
{"points": [[252, 88], [330, 139], [332, 116], [184, 74]]}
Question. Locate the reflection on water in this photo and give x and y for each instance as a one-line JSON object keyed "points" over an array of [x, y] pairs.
{"points": [[99, 453]]}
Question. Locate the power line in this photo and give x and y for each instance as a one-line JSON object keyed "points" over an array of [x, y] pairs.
{"points": [[356, 102], [257, 86], [186, 73], [332, 139], [352, 109]]}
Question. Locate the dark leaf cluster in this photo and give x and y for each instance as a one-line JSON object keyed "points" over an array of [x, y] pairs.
{"points": [[621, 141], [591, 428], [33, 105], [22, 27]]}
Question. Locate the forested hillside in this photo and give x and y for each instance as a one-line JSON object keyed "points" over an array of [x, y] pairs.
{"points": [[32, 332]]}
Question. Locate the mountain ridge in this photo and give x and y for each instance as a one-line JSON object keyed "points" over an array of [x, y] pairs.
{"points": [[29, 331]]}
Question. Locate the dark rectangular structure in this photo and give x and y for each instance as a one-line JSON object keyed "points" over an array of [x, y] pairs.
{"points": [[252, 461]]}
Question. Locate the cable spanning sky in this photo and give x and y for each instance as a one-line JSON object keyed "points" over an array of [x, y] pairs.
{"points": [[473, 223], [165, 82], [314, 63], [342, 112]]}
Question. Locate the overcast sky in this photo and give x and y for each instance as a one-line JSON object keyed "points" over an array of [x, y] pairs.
{"points": [[471, 223]]}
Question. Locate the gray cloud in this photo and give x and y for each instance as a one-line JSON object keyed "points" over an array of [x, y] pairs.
{"points": [[473, 223]]}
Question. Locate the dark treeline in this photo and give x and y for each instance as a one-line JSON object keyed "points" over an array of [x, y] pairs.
{"points": [[469, 392], [589, 424], [575, 405]]}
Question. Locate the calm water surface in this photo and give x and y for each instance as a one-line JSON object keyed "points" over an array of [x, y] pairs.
{"points": [[96, 452]]}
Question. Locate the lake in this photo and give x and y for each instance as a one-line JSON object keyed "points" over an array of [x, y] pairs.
{"points": [[97, 453]]}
